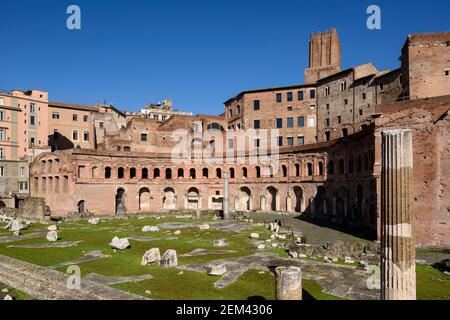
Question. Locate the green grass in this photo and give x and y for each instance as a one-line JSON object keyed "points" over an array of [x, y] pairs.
{"points": [[17, 294], [168, 283], [432, 284]]}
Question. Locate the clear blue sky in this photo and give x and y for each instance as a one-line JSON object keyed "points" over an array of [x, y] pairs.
{"points": [[199, 52]]}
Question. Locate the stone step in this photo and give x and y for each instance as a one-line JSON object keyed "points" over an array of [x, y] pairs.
{"points": [[47, 284]]}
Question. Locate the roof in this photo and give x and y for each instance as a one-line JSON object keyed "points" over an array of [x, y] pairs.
{"points": [[73, 106], [427, 37], [361, 71], [295, 86]]}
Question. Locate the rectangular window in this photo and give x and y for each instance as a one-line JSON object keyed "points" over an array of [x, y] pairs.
{"points": [[346, 101], [446, 72], [32, 107], [55, 115], [339, 119], [301, 122], [22, 171], [2, 153], [290, 122], [289, 96], [256, 105], [85, 118], [312, 94], [74, 117], [279, 123], [75, 135], [238, 109], [280, 141], [2, 134], [360, 112], [143, 137], [100, 124], [257, 143], [256, 124], [300, 95], [300, 140], [32, 120], [328, 106], [230, 143], [278, 97], [364, 96], [312, 107], [2, 116], [2, 101], [85, 136], [2, 171], [290, 141], [311, 122], [327, 122], [23, 186]]}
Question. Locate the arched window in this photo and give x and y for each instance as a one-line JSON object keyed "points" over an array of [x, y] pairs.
{"points": [[192, 173], [232, 175], [341, 166], [344, 132], [132, 173], [310, 169], [327, 91], [168, 173], [144, 173], [366, 162], [219, 173], [156, 173], [205, 173], [285, 171], [320, 168], [297, 170], [258, 172], [180, 173], [343, 85], [350, 165], [126, 149], [331, 167], [108, 173], [244, 172], [121, 173]]}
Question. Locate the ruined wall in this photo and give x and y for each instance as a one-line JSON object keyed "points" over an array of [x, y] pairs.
{"points": [[430, 123]]}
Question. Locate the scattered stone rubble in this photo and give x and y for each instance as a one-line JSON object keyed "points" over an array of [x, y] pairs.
{"points": [[151, 256], [119, 244], [169, 259]]}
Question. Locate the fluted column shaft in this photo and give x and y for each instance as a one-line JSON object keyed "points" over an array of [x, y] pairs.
{"points": [[398, 274]]}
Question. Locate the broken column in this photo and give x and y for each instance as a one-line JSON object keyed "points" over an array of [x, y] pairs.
{"points": [[398, 273], [226, 212], [288, 281]]}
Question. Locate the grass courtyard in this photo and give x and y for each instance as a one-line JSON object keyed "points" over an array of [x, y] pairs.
{"points": [[175, 283]]}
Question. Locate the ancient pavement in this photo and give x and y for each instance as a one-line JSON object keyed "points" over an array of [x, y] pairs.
{"points": [[46, 284]]}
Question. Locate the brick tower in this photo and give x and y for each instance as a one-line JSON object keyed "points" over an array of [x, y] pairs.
{"points": [[324, 55]]}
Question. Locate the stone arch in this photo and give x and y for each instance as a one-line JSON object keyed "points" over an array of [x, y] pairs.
{"points": [[132, 173], [205, 173], [180, 173], [107, 172], [193, 199], [320, 202], [144, 199], [120, 201], [244, 172], [284, 171], [169, 199], [244, 199], [192, 173], [144, 173], [342, 201], [156, 173], [219, 173], [273, 201], [168, 173], [81, 205], [299, 199], [258, 172], [121, 173], [232, 173]]}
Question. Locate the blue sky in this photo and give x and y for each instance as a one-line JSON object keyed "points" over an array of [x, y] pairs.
{"points": [[199, 52]]}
